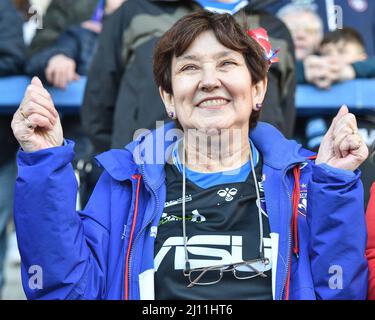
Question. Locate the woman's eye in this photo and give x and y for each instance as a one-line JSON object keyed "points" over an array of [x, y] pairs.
{"points": [[189, 67], [228, 63]]}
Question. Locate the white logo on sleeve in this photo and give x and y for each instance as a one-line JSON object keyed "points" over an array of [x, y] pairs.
{"points": [[153, 231]]}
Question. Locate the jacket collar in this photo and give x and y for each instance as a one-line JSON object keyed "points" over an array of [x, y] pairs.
{"points": [[149, 154], [277, 151]]}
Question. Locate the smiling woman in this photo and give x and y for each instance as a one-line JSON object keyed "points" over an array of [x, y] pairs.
{"points": [[221, 54], [234, 211]]}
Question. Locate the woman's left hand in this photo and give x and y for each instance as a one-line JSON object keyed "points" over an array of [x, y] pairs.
{"points": [[342, 146]]}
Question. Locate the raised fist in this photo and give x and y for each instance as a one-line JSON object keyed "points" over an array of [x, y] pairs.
{"points": [[342, 147], [36, 123]]}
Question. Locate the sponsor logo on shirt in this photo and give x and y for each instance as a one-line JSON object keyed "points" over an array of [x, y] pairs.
{"points": [[217, 250], [302, 206], [178, 201], [195, 216], [227, 193]]}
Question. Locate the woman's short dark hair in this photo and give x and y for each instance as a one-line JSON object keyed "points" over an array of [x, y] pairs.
{"points": [[227, 31]]}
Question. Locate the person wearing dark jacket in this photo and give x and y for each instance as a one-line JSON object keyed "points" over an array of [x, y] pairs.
{"points": [[12, 56], [60, 15], [120, 95], [12, 48], [70, 55], [76, 46]]}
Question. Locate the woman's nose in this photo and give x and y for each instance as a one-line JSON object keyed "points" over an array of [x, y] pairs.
{"points": [[209, 80]]}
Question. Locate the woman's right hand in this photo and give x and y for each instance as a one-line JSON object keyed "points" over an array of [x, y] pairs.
{"points": [[36, 123]]}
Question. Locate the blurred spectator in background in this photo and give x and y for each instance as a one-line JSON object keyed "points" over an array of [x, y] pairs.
{"points": [[306, 28], [346, 47], [71, 53], [357, 14], [12, 48], [30, 17], [344, 44], [60, 15], [121, 96], [62, 41], [32, 12], [12, 54]]}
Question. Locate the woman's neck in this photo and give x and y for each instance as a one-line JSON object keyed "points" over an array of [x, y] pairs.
{"points": [[224, 151]]}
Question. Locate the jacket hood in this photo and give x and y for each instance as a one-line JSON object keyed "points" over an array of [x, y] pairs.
{"points": [[149, 153]]}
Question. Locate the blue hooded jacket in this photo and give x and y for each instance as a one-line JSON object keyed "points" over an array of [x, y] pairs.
{"points": [[106, 251]]}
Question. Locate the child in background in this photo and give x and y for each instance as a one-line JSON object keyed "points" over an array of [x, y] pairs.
{"points": [[346, 47]]}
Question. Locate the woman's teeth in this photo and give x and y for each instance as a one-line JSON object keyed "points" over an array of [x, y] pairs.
{"points": [[213, 103]]}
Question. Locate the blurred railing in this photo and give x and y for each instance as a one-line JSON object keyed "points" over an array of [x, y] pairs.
{"points": [[66, 101], [359, 95]]}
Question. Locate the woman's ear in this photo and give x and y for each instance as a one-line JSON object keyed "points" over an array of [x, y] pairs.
{"points": [[168, 101], [259, 91]]}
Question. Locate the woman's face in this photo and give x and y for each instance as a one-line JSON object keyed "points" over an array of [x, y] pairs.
{"points": [[212, 87]]}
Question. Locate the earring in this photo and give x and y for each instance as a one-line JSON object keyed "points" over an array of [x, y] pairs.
{"points": [[171, 115], [258, 106]]}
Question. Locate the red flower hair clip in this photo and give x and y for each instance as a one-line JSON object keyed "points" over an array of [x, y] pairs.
{"points": [[261, 37]]}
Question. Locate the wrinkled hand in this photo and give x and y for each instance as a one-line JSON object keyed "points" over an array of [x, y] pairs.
{"points": [[61, 70], [342, 147], [36, 123]]}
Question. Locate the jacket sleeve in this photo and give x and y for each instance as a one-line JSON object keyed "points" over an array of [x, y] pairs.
{"points": [[365, 69], [63, 252], [12, 48], [104, 79], [370, 249], [338, 234]]}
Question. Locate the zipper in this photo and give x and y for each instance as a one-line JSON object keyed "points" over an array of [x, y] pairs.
{"points": [[289, 233], [144, 228], [127, 256]]}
